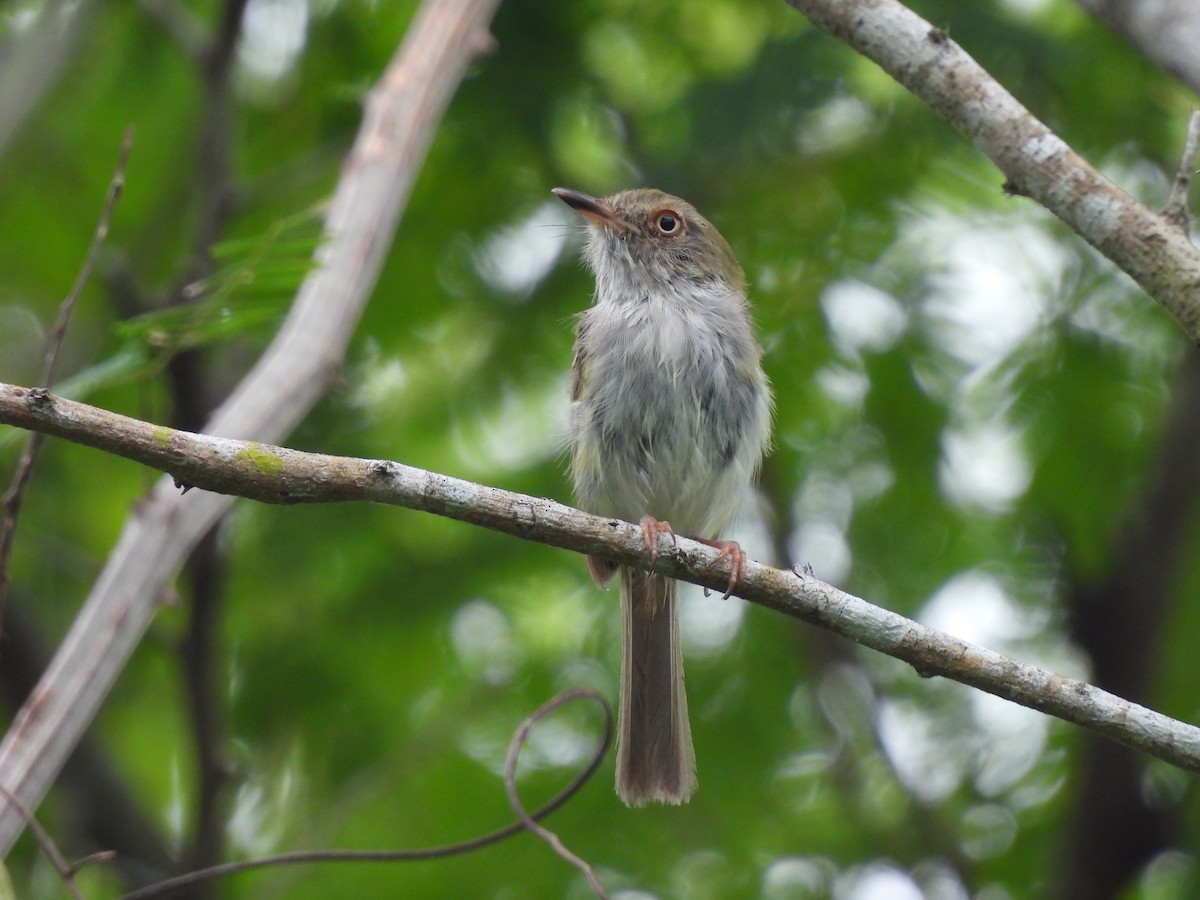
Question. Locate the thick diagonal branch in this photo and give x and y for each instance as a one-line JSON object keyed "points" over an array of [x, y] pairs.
{"points": [[1035, 161]]}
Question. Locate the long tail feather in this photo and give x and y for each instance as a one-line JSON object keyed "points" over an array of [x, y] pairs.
{"points": [[655, 759]]}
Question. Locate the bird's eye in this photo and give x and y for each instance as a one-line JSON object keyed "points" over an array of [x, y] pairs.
{"points": [[668, 222]]}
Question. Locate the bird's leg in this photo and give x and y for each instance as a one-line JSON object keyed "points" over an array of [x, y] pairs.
{"points": [[651, 529], [737, 561]]}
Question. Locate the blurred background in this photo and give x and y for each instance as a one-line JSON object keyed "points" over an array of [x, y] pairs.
{"points": [[981, 424]]}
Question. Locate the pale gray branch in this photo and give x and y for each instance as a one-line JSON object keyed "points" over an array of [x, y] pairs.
{"points": [[401, 116], [1036, 162], [279, 475]]}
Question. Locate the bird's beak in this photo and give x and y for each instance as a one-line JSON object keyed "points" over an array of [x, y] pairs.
{"points": [[595, 210]]}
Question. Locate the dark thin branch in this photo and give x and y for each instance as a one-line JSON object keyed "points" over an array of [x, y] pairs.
{"points": [[191, 387], [302, 857], [208, 715], [11, 504], [213, 189], [1117, 619], [279, 475], [66, 871], [510, 780]]}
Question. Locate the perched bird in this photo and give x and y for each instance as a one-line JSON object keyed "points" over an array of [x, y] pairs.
{"points": [[670, 417]]}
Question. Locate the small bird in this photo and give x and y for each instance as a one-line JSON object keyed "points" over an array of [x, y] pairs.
{"points": [[670, 417]]}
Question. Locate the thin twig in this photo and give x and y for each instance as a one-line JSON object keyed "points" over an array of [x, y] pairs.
{"points": [[11, 504], [59, 332], [65, 870], [1176, 209], [100, 856], [514, 798], [301, 857]]}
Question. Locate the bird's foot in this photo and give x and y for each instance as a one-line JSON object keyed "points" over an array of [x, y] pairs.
{"points": [[651, 529], [737, 562]]}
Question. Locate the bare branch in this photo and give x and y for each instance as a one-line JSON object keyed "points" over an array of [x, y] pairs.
{"points": [[303, 857], [401, 116], [279, 475], [514, 798], [1176, 208], [65, 870], [59, 332], [10, 505], [1037, 163]]}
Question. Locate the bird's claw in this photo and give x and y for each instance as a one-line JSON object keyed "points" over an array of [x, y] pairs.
{"points": [[737, 563], [731, 550], [651, 529]]}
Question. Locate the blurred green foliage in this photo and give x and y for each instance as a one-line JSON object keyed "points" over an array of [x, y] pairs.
{"points": [[968, 401]]}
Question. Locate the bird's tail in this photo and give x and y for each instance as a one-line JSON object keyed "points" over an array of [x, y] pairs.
{"points": [[655, 759]]}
